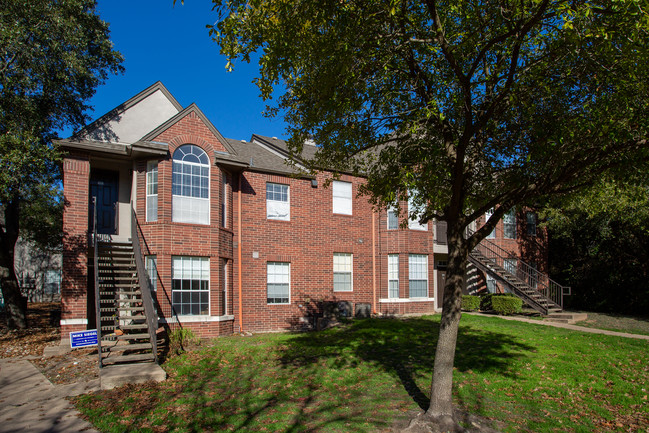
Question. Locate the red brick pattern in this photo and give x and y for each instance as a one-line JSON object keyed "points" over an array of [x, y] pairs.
{"points": [[74, 286]]}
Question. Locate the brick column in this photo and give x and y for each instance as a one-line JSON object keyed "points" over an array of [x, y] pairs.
{"points": [[74, 287]]}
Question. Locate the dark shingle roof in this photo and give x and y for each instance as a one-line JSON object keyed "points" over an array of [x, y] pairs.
{"points": [[259, 158]]}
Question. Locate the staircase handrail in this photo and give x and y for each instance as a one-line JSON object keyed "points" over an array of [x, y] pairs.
{"points": [[145, 285], [95, 261], [533, 277]]}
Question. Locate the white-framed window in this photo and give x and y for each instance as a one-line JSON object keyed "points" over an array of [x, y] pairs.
{"points": [[509, 224], [418, 275], [190, 285], [487, 215], [415, 212], [393, 219], [342, 197], [224, 202], [190, 185], [511, 265], [343, 272], [152, 191], [491, 284], [393, 276], [278, 203], [531, 223], [278, 282], [151, 265]]}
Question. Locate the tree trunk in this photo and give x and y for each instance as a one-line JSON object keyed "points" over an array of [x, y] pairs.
{"points": [[441, 404], [14, 304]]}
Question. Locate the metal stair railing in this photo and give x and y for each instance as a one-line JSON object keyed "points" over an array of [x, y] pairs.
{"points": [[95, 264], [523, 271], [145, 285]]}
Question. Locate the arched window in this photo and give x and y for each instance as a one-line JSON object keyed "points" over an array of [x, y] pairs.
{"points": [[190, 185]]}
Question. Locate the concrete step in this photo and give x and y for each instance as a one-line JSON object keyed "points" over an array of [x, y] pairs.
{"points": [[116, 375], [565, 317]]}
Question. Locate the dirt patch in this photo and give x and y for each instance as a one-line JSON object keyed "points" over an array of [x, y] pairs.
{"points": [[80, 365], [43, 330], [616, 322]]}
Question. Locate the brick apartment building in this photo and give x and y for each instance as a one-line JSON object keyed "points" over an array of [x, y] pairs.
{"points": [[235, 239]]}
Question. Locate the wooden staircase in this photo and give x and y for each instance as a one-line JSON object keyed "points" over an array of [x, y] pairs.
{"points": [[535, 288], [125, 333]]}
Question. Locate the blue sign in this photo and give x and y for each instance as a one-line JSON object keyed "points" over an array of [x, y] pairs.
{"points": [[83, 338]]}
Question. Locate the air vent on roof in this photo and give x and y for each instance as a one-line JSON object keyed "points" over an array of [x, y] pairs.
{"points": [[309, 142], [274, 138], [243, 141]]}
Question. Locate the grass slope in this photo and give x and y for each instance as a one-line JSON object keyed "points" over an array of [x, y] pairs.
{"points": [[365, 376]]}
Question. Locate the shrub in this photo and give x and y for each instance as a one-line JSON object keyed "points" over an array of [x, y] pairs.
{"points": [[506, 305], [470, 303], [486, 303], [180, 338]]}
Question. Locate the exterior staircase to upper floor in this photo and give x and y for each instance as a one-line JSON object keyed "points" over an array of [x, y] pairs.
{"points": [[125, 334], [535, 288]]}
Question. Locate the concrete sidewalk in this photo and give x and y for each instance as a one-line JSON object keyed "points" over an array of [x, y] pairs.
{"points": [[564, 326], [30, 403]]}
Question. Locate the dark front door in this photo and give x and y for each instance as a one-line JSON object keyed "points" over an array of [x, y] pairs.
{"points": [[104, 185], [441, 283]]}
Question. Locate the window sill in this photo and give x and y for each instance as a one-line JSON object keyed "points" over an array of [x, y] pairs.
{"points": [[193, 319], [404, 300]]}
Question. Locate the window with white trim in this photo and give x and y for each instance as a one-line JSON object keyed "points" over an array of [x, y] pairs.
{"points": [[190, 185], [342, 197], [151, 266], [418, 275], [393, 276], [393, 219], [278, 282], [511, 265], [278, 204], [491, 284], [487, 215], [415, 212], [152, 191], [190, 285], [343, 272], [531, 223], [509, 224]]}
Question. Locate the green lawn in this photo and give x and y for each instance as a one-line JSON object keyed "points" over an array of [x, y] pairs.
{"points": [[365, 376]]}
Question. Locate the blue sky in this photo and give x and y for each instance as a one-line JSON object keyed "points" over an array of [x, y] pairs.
{"points": [[167, 43]]}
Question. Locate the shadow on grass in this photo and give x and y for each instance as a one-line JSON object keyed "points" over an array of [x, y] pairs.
{"points": [[336, 380], [404, 348]]}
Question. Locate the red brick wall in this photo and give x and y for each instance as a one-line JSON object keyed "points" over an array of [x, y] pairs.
{"points": [[308, 241], [165, 238], [74, 286]]}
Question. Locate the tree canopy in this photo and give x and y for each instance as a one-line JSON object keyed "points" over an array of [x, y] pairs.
{"points": [[465, 104], [53, 55]]}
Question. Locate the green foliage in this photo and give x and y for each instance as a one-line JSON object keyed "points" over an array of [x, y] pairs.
{"points": [[53, 55], [506, 305], [470, 302], [599, 246], [486, 303], [482, 103], [180, 339]]}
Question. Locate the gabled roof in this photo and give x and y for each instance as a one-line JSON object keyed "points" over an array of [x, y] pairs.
{"points": [[280, 146], [193, 108], [260, 158], [101, 125]]}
